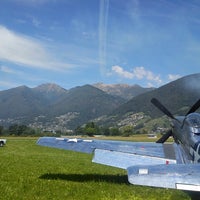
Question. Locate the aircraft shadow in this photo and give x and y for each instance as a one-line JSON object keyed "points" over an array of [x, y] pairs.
{"points": [[193, 195], [118, 179]]}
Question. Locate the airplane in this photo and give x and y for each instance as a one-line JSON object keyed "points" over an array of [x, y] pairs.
{"points": [[157, 164]]}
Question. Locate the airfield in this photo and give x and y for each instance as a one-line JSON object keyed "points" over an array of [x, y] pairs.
{"points": [[32, 172]]}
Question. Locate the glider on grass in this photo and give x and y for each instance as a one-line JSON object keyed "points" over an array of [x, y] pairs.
{"points": [[167, 165]]}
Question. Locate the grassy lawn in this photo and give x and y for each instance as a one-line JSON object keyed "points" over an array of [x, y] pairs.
{"points": [[28, 171]]}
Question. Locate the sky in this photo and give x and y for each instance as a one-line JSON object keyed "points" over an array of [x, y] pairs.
{"points": [[76, 42]]}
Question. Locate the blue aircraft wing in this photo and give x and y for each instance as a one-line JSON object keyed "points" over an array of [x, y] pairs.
{"points": [[119, 154], [150, 164]]}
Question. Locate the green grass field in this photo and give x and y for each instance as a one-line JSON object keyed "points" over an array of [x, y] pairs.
{"points": [[32, 172]]}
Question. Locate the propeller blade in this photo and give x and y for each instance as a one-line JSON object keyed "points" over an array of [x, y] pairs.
{"points": [[162, 108], [194, 107], [165, 137]]}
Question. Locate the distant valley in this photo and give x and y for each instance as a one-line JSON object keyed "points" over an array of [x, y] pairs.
{"points": [[51, 107]]}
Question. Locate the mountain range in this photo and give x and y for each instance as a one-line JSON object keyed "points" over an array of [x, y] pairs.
{"points": [[24, 105], [52, 106]]}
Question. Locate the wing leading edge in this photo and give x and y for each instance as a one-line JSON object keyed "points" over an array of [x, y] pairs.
{"points": [[149, 164], [113, 153]]}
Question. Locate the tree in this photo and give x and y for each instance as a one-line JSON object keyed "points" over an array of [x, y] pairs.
{"points": [[105, 131], [114, 131], [127, 131], [139, 126], [1, 130], [91, 129], [90, 125], [19, 130], [79, 130], [13, 129]]}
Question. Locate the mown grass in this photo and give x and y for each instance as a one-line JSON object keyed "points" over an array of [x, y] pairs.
{"points": [[32, 172]]}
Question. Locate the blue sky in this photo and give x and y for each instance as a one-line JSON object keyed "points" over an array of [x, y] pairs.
{"points": [[77, 42]]}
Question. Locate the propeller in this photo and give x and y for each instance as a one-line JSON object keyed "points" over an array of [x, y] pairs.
{"points": [[194, 107], [162, 108], [165, 137], [169, 114]]}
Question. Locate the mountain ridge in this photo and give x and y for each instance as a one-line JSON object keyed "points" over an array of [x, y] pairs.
{"points": [[49, 103], [51, 92], [122, 90], [183, 92]]}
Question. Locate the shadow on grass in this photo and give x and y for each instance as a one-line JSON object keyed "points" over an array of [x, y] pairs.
{"points": [[118, 179], [193, 195]]}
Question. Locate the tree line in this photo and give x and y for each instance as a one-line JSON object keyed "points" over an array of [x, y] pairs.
{"points": [[89, 129], [18, 130]]}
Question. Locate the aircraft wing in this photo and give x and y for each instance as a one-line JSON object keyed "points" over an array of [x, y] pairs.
{"points": [[119, 154], [175, 176], [149, 164]]}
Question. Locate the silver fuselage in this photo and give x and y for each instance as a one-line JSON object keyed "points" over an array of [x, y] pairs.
{"points": [[186, 131]]}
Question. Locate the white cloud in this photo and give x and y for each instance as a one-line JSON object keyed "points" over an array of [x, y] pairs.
{"points": [[173, 77], [121, 72], [141, 73], [137, 73], [26, 51]]}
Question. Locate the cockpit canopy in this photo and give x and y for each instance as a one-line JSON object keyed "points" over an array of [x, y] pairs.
{"points": [[194, 122]]}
